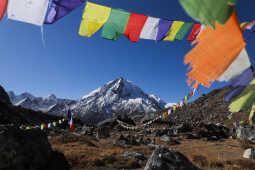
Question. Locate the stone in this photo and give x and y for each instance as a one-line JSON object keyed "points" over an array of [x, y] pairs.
{"points": [[103, 132], [134, 155], [165, 159], [86, 130], [246, 132], [249, 153], [22, 150], [165, 138]]}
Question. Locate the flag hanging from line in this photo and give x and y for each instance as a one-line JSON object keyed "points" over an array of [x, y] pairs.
{"points": [[70, 118]]}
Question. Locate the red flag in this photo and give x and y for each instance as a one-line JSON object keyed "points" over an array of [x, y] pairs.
{"points": [[134, 26], [3, 7], [195, 31]]}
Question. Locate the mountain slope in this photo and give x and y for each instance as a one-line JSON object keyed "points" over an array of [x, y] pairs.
{"points": [[10, 114], [4, 96], [50, 104], [114, 98]]}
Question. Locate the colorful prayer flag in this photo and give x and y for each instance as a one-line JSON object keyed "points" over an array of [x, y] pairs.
{"points": [[150, 29], [94, 17], [241, 63], [216, 49], [245, 100], [60, 8], [163, 28], [70, 118], [116, 24], [3, 7], [29, 11], [171, 34], [195, 32], [209, 11], [238, 84], [183, 30], [135, 26]]}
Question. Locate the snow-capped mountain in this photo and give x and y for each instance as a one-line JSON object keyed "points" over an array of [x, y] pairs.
{"points": [[169, 105], [116, 97], [50, 104]]}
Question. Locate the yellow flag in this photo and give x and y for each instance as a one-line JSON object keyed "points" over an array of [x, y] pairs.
{"points": [[174, 108], [94, 17], [54, 124], [243, 24], [176, 26], [42, 126]]}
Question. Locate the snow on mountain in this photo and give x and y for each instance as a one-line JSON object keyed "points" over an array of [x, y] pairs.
{"points": [[50, 104], [169, 105], [119, 96]]}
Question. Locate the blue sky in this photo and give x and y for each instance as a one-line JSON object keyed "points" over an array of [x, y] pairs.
{"points": [[71, 66]]}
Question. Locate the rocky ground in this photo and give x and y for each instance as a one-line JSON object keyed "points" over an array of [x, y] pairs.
{"points": [[204, 147]]}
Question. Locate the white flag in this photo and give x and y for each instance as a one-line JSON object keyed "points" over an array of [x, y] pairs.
{"points": [[150, 29], [241, 63], [29, 11]]}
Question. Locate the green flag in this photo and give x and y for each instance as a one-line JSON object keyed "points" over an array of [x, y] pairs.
{"points": [[209, 11], [183, 31], [116, 24]]}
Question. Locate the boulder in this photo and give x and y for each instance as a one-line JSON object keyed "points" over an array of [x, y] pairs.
{"points": [[249, 153], [103, 132], [212, 131], [87, 130], [165, 138], [165, 159], [246, 132], [134, 155], [23, 150]]}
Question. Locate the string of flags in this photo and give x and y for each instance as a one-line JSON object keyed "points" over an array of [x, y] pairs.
{"points": [[161, 116], [117, 22], [55, 123], [46, 125]]}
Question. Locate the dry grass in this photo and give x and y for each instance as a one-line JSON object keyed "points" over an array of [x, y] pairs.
{"points": [[245, 144], [88, 152]]}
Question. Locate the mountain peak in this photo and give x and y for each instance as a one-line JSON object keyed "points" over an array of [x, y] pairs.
{"points": [[116, 97]]}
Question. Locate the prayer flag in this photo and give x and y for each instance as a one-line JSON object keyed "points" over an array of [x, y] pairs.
{"points": [[183, 30], [60, 8], [29, 11], [209, 11], [216, 49], [3, 7], [116, 24], [135, 26], [94, 17], [237, 67], [171, 34], [150, 29]]}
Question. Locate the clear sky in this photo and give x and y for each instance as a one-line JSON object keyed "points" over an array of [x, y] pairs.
{"points": [[71, 66]]}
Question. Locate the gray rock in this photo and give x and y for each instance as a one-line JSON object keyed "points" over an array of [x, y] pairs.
{"points": [[134, 155], [86, 130], [246, 132], [152, 146], [165, 159], [103, 132], [249, 153], [165, 138], [23, 150]]}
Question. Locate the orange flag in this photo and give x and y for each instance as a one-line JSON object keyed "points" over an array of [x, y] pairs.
{"points": [[215, 51]]}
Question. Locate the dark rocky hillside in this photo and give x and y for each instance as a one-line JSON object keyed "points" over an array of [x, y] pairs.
{"points": [[4, 96]]}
